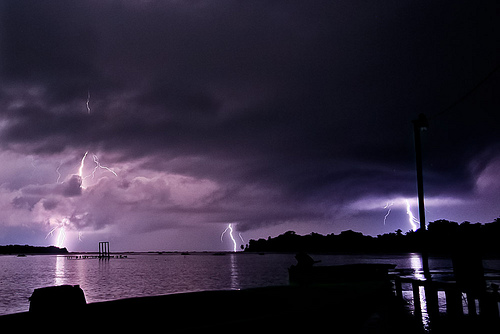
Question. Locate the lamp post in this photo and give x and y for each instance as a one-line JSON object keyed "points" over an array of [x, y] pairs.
{"points": [[418, 125]]}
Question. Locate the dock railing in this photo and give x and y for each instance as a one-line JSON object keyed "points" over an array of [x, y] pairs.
{"points": [[483, 303]]}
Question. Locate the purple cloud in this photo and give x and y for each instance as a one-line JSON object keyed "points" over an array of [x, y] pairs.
{"points": [[268, 115]]}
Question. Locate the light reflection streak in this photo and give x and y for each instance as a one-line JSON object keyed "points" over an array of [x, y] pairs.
{"points": [[416, 265], [235, 284], [59, 275]]}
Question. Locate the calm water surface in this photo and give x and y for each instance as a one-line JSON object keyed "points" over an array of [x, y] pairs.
{"points": [[154, 274]]}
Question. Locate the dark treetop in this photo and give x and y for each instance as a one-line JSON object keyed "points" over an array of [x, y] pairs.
{"points": [[27, 249], [442, 237]]}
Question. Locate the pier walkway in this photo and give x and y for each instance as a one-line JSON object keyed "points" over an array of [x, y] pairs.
{"points": [[443, 305], [87, 256]]}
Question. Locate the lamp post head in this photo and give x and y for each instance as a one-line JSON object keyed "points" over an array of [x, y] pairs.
{"points": [[421, 122]]}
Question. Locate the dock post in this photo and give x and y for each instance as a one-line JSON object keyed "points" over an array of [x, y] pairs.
{"points": [[398, 287], [417, 308], [431, 299], [453, 302], [471, 304], [104, 249]]}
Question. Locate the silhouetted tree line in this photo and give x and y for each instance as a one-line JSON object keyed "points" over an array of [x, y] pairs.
{"points": [[441, 237], [27, 249]]}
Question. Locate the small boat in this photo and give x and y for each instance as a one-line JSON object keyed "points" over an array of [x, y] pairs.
{"points": [[21, 255]]}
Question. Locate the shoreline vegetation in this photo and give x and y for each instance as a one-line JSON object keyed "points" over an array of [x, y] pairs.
{"points": [[441, 237], [27, 249]]}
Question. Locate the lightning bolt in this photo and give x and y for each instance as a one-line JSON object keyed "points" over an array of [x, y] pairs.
{"points": [[88, 101], [51, 231], [61, 236], [230, 228], [222, 235], [411, 218], [387, 206], [62, 233], [98, 165], [58, 172], [80, 170]]}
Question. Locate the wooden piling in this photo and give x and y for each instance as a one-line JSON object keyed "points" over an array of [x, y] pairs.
{"points": [[453, 301], [431, 299], [471, 304], [398, 287], [416, 299], [104, 250], [488, 302]]}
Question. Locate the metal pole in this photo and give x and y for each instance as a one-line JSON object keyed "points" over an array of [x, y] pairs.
{"points": [[420, 178], [420, 124]]}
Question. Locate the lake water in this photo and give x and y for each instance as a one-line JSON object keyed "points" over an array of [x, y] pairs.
{"points": [[156, 274]]}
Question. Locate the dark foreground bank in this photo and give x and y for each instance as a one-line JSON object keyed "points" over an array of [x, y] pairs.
{"points": [[342, 308]]}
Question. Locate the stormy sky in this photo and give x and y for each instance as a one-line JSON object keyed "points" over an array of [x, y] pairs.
{"points": [[155, 124]]}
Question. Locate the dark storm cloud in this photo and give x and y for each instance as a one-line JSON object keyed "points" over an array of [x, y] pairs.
{"points": [[32, 194], [310, 101], [24, 202], [50, 204], [73, 187]]}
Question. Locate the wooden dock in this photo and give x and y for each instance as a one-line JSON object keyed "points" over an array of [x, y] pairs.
{"points": [[104, 254], [481, 306], [100, 257]]}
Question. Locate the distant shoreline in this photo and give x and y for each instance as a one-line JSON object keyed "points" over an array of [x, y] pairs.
{"points": [[441, 237], [27, 249]]}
